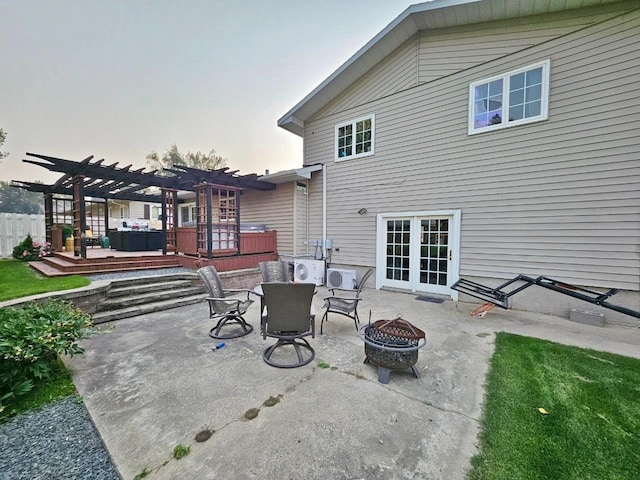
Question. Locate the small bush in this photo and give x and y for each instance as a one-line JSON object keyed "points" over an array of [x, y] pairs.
{"points": [[32, 338], [28, 250]]}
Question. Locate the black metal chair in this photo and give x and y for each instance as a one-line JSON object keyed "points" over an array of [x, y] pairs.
{"points": [[343, 305], [274, 271], [288, 317], [228, 311]]}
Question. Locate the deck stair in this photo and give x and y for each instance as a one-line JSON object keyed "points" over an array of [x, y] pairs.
{"points": [[136, 296]]}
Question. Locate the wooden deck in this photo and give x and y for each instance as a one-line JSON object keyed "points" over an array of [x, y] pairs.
{"points": [[105, 260]]}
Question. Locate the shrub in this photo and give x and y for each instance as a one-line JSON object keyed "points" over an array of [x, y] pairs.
{"points": [[31, 338], [28, 250]]}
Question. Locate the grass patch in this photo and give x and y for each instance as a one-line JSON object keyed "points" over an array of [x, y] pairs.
{"points": [[180, 451], [45, 391], [591, 430], [17, 280]]}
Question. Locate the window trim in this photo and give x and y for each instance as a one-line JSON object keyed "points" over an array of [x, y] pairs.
{"points": [[371, 117], [544, 96]]}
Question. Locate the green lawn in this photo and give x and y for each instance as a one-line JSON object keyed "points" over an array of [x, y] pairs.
{"points": [[592, 426], [18, 280]]}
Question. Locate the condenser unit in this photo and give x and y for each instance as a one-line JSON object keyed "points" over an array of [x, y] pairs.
{"points": [[308, 271], [340, 278]]}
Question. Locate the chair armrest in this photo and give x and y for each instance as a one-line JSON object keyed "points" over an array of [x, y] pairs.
{"points": [[228, 301], [346, 299], [238, 290]]}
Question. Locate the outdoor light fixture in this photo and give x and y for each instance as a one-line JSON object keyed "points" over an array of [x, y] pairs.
{"points": [[362, 211]]}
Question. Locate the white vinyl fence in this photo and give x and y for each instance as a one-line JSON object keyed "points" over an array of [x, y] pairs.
{"points": [[14, 228]]}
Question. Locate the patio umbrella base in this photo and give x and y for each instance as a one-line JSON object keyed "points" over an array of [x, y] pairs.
{"points": [[241, 329]]}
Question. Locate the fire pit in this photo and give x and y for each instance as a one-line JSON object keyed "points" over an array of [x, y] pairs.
{"points": [[392, 345]]}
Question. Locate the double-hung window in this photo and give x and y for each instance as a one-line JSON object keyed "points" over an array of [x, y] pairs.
{"points": [[514, 98], [355, 139]]}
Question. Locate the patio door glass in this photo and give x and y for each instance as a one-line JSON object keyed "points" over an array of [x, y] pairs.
{"points": [[434, 253], [398, 249]]}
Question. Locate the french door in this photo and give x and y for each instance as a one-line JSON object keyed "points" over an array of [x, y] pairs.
{"points": [[419, 251]]}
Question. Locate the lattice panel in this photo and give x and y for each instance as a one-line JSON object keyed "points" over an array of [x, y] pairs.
{"points": [[170, 206]]}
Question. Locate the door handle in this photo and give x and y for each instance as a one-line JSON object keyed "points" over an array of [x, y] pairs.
{"points": [[450, 255]]}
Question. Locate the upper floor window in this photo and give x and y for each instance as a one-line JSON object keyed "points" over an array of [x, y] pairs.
{"points": [[355, 139], [514, 98]]}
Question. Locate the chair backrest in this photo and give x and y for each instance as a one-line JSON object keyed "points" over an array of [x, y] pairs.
{"points": [[363, 280], [288, 306], [211, 280], [274, 271]]}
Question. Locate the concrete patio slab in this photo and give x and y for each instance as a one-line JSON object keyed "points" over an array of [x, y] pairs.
{"points": [[153, 382]]}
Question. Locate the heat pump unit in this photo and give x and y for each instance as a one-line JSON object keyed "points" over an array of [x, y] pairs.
{"points": [[342, 279], [308, 271]]}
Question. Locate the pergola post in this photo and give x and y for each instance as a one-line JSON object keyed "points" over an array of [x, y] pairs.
{"points": [[48, 216], [79, 220]]}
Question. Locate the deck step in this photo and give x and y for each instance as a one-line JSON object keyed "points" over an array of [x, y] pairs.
{"points": [[58, 266]]}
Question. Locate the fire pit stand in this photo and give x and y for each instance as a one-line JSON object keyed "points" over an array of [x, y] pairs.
{"points": [[392, 345]]}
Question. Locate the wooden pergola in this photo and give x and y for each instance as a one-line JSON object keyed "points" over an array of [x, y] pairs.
{"points": [[216, 190]]}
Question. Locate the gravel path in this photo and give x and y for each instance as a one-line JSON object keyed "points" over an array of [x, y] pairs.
{"points": [[57, 442]]}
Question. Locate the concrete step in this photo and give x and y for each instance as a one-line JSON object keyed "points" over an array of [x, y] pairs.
{"points": [[119, 314], [159, 295], [148, 287]]}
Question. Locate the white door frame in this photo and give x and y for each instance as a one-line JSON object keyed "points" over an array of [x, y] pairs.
{"points": [[454, 243]]}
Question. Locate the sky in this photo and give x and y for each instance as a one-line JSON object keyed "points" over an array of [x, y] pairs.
{"points": [[118, 79]]}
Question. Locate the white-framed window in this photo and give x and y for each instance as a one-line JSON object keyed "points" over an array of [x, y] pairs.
{"points": [[188, 215], [355, 139], [513, 98]]}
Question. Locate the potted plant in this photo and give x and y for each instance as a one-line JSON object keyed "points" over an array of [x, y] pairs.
{"points": [[67, 231]]}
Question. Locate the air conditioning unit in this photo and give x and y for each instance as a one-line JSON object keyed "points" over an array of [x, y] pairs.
{"points": [[342, 279], [308, 271]]}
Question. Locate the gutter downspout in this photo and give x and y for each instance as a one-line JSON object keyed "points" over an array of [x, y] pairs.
{"points": [[324, 209]]}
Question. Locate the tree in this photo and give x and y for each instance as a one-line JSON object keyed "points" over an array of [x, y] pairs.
{"points": [[3, 137], [173, 157], [19, 200]]}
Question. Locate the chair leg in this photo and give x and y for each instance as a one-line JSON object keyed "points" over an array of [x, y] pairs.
{"points": [[245, 327], [322, 321], [297, 343]]}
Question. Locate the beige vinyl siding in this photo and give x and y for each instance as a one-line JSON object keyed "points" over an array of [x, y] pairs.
{"points": [[430, 55], [301, 222], [449, 51], [559, 198], [274, 208], [398, 72]]}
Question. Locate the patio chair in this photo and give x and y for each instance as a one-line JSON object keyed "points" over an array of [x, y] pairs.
{"points": [[343, 305], [288, 317], [274, 271], [228, 311]]}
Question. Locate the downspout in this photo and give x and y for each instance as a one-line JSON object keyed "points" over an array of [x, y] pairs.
{"points": [[295, 218], [324, 209]]}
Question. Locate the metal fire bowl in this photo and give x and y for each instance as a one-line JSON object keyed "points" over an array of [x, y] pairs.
{"points": [[395, 353]]}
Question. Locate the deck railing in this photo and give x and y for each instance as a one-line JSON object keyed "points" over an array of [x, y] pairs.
{"points": [[250, 242]]}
